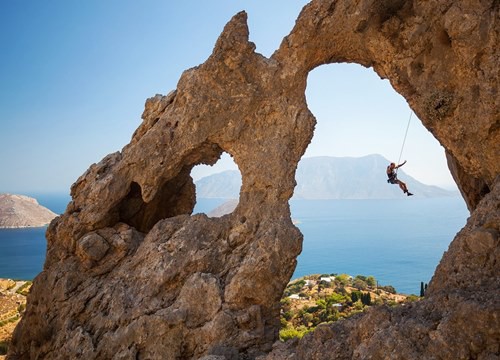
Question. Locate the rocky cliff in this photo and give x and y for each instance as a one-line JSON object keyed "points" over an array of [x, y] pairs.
{"points": [[18, 211], [130, 274]]}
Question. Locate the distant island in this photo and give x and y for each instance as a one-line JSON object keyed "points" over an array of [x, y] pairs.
{"points": [[20, 211], [326, 177]]}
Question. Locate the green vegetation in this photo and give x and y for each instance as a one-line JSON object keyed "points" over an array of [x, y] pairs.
{"points": [[25, 288], [290, 332], [9, 320], [316, 299], [4, 346]]}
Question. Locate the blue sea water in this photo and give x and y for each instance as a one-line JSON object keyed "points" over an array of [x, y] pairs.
{"points": [[399, 242]]}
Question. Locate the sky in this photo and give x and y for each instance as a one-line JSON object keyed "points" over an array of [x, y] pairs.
{"points": [[74, 77]]}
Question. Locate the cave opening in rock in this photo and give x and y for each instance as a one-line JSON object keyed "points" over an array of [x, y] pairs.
{"points": [[353, 221], [217, 186], [175, 197]]}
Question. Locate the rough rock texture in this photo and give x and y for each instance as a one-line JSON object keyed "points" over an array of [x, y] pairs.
{"points": [[19, 211], [131, 275]]}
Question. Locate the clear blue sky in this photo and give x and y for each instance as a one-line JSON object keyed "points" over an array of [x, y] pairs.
{"points": [[74, 76]]}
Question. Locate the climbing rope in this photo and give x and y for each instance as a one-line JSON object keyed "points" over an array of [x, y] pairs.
{"points": [[404, 140]]}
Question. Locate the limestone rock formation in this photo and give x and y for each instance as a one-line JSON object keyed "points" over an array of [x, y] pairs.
{"points": [[18, 211], [130, 274]]}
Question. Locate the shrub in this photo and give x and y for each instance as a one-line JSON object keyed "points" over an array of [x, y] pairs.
{"points": [[343, 279], [4, 346], [412, 298], [359, 284], [290, 333], [24, 289], [295, 287], [335, 298], [388, 288]]}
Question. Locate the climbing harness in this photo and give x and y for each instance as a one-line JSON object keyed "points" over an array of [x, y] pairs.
{"points": [[404, 140]]}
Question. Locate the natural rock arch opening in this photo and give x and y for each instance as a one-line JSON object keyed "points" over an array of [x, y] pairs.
{"points": [[366, 127], [218, 186], [360, 114]]}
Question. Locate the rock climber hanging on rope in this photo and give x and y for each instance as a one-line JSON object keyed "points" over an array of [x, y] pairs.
{"points": [[393, 177], [392, 169]]}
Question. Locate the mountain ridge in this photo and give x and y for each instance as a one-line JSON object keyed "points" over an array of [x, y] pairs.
{"points": [[328, 177]]}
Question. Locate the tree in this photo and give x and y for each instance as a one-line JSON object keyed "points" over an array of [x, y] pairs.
{"points": [[355, 296], [370, 280], [343, 279], [366, 299], [422, 291], [361, 277], [359, 284]]}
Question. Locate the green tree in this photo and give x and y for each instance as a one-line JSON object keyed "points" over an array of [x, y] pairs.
{"points": [[361, 277], [422, 291], [359, 284], [321, 303], [355, 296], [366, 299], [335, 298], [370, 280], [343, 279]]}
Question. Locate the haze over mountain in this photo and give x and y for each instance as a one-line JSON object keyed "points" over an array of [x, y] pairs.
{"points": [[18, 211], [326, 177]]}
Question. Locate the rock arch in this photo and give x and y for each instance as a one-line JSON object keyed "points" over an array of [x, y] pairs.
{"points": [[129, 279]]}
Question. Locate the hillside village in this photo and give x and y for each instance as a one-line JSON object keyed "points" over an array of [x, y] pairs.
{"points": [[12, 305], [315, 299]]}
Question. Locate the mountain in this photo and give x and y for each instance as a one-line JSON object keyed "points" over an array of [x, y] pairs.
{"points": [[18, 211], [225, 184], [223, 209], [326, 177]]}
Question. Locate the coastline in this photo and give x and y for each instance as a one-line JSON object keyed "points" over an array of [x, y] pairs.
{"points": [[24, 227]]}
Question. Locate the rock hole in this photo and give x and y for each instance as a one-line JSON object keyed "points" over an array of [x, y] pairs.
{"points": [[217, 187], [176, 197], [444, 38]]}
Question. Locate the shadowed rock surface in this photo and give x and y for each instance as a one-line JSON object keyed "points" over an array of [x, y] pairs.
{"points": [[19, 211], [131, 275]]}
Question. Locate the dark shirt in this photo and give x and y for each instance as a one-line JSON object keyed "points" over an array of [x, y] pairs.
{"points": [[391, 174]]}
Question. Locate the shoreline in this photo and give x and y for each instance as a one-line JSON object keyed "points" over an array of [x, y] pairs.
{"points": [[23, 227]]}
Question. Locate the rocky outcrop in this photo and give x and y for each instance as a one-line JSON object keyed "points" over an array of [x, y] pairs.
{"points": [[19, 211], [130, 274]]}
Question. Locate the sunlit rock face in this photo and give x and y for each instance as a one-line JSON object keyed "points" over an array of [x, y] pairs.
{"points": [[130, 274]]}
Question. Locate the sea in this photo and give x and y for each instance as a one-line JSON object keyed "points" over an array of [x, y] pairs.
{"points": [[399, 241]]}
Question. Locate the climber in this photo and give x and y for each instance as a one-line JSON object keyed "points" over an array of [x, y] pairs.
{"points": [[393, 177]]}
